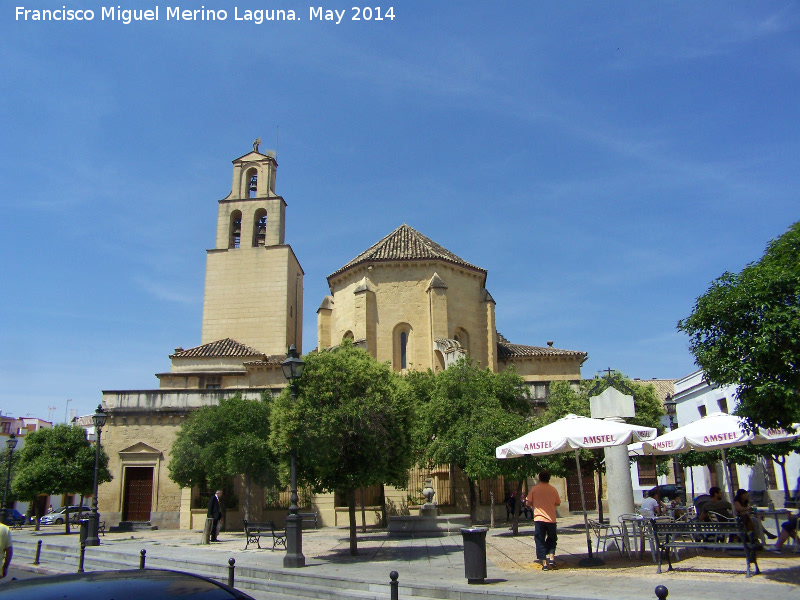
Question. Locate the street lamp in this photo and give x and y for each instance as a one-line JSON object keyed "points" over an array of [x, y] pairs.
{"points": [[293, 370], [99, 419], [671, 407], [11, 443]]}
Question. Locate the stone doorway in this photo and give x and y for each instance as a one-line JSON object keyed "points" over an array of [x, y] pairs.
{"points": [[138, 499]]}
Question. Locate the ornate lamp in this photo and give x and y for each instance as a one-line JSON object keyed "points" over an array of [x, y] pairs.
{"points": [[99, 419], [293, 370]]}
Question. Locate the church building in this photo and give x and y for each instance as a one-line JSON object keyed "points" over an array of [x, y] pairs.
{"points": [[407, 300]]}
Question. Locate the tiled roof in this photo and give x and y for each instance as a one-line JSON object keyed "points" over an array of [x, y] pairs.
{"points": [[506, 350], [663, 386], [226, 347], [406, 243], [272, 359]]}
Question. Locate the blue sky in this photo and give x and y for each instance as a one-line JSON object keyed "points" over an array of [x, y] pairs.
{"points": [[603, 161]]}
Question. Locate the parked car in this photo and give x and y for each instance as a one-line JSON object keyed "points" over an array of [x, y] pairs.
{"points": [[58, 516], [14, 517], [153, 584]]}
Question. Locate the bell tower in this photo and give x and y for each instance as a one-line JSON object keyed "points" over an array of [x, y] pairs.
{"points": [[254, 282]]}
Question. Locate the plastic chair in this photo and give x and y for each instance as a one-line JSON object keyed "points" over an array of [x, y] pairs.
{"points": [[607, 533]]}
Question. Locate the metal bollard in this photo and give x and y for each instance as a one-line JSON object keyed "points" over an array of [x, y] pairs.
{"points": [[662, 592], [38, 552], [231, 567], [142, 554], [83, 551], [394, 585]]}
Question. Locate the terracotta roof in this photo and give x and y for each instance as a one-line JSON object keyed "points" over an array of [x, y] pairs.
{"points": [[506, 350], [406, 243], [663, 386], [226, 347], [266, 360]]}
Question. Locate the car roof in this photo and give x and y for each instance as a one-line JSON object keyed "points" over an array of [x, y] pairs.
{"points": [[153, 584]]}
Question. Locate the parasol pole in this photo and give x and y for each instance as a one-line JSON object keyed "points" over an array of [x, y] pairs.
{"points": [[591, 561], [727, 475]]}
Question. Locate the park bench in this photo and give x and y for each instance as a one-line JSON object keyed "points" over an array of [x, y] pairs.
{"points": [[309, 517], [708, 535], [254, 530]]}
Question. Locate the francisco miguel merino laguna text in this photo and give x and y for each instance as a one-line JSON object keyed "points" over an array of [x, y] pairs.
{"points": [[175, 13]]}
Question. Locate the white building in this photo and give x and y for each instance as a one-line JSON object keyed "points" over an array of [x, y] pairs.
{"points": [[695, 398]]}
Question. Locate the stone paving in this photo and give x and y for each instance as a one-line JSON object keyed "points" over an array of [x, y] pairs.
{"points": [[438, 562]]}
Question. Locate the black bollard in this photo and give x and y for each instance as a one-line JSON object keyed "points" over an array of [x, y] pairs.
{"points": [[662, 592], [38, 552], [231, 567], [83, 551], [142, 554], [394, 585]]}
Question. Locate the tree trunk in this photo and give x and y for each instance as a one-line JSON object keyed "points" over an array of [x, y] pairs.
{"points": [[781, 460], [491, 503], [384, 519], [517, 507], [351, 510], [363, 513], [247, 496], [472, 501], [38, 512]]}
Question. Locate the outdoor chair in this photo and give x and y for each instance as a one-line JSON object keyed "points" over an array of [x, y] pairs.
{"points": [[607, 534]]}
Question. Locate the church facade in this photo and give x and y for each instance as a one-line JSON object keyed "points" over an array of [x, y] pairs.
{"points": [[407, 300]]}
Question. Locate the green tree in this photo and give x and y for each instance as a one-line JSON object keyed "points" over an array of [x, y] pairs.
{"points": [[350, 425], [459, 404], [218, 443], [56, 461], [745, 331]]}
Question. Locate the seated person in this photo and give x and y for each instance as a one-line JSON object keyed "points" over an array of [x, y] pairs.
{"points": [[527, 511], [716, 505], [788, 530], [651, 506], [741, 504]]}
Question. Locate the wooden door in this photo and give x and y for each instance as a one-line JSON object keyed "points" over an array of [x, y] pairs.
{"points": [[574, 491], [138, 494]]}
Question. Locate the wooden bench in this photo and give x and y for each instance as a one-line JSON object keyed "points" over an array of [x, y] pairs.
{"points": [[709, 535], [309, 517], [253, 532]]}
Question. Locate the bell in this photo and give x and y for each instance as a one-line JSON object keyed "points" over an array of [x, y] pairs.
{"points": [[253, 183]]}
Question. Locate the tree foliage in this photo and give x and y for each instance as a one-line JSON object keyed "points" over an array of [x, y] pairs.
{"points": [[464, 413], [218, 443], [57, 461], [745, 331], [350, 425]]}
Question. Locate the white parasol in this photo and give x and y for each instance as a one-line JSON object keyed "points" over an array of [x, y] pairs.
{"points": [[716, 431], [575, 433]]}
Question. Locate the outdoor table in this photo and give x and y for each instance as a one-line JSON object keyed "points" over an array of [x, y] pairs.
{"points": [[775, 512], [638, 528]]}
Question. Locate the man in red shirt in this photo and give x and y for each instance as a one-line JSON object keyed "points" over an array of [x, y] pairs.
{"points": [[544, 498]]}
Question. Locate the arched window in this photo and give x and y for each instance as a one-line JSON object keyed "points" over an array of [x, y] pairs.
{"points": [[235, 235], [252, 183], [260, 228], [348, 335], [402, 347]]}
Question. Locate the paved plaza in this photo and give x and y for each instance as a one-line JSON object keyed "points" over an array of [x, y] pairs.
{"points": [[429, 566]]}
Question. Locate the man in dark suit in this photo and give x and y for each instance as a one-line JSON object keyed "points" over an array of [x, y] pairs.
{"points": [[215, 513]]}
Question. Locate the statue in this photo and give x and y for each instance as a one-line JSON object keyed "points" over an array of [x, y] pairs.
{"points": [[256, 144]]}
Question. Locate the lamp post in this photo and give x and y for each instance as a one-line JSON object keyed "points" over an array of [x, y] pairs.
{"points": [[11, 443], [99, 419], [293, 370], [670, 405]]}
